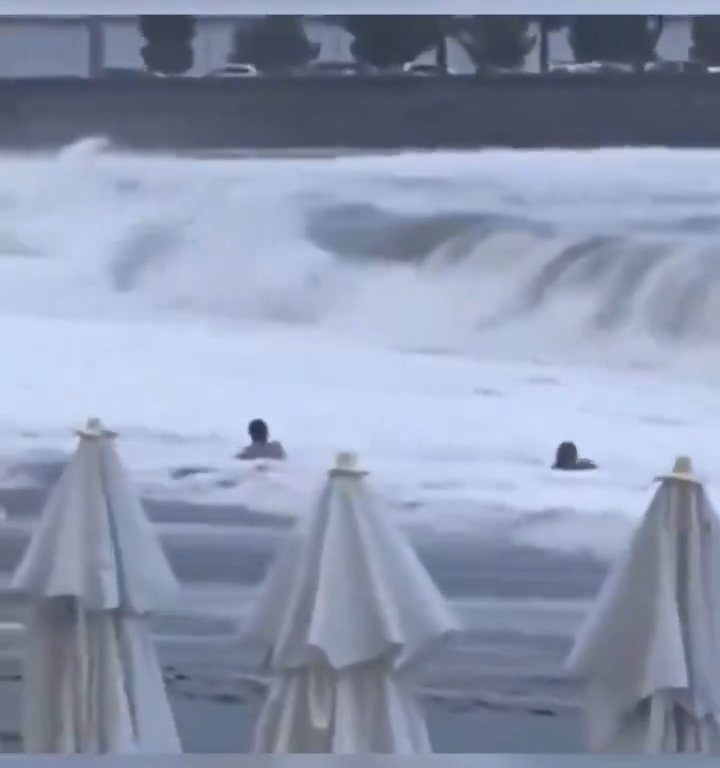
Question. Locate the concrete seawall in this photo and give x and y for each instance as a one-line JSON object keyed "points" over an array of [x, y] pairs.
{"points": [[365, 112]]}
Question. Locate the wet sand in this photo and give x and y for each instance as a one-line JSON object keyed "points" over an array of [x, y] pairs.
{"points": [[212, 723]]}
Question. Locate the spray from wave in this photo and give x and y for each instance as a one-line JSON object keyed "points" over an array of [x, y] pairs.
{"points": [[608, 254]]}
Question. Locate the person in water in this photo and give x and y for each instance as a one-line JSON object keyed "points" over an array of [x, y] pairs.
{"points": [[261, 447], [566, 458]]}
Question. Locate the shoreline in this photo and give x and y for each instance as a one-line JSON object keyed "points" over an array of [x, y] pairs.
{"points": [[215, 722], [499, 685]]}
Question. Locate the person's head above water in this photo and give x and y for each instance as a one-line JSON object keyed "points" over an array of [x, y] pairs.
{"points": [[258, 431], [261, 446], [566, 456]]}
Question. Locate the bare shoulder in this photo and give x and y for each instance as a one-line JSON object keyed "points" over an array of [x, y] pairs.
{"points": [[277, 449], [586, 464]]}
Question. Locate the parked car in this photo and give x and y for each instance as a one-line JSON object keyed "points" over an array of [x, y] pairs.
{"points": [[235, 70], [591, 68], [665, 66], [424, 70], [335, 69]]}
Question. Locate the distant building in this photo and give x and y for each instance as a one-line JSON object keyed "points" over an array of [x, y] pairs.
{"points": [[674, 44], [32, 46]]}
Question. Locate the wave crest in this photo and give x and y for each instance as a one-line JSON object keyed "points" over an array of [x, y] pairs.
{"points": [[467, 253]]}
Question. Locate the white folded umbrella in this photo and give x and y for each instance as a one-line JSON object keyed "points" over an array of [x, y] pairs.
{"points": [[347, 614], [93, 572], [649, 652]]}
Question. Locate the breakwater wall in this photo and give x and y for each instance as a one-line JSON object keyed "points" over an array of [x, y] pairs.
{"points": [[388, 112]]}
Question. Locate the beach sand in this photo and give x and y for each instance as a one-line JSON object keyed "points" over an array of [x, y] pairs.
{"points": [[498, 688]]}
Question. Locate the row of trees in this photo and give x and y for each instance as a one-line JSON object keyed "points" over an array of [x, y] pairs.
{"points": [[168, 43], [280, 43]]}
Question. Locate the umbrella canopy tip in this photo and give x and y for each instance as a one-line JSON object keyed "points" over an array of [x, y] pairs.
{"points": [[682, 470], [94, 428]]}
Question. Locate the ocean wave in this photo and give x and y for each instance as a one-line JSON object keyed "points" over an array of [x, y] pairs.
{"points": [[522, 253]]}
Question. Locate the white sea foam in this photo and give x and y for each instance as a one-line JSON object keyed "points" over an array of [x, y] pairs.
{"points": [[450, 316]]}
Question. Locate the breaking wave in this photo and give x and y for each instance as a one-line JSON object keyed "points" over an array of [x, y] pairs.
{"points": [[598, 254]]}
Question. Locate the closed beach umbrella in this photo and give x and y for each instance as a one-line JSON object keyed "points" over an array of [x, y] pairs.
{"points": [[347, 614], [649, 652], [93, 573]]}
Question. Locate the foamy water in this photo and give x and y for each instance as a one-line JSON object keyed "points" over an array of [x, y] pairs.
{"points": [[450, 316]]}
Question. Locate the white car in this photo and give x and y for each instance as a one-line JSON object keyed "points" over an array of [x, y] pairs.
{"points": [[235, 70], [665, 66], [426, 70], [592, 68]]}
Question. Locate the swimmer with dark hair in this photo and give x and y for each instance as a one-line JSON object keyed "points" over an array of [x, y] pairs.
{"points": [[261, 447], [566, 459]]}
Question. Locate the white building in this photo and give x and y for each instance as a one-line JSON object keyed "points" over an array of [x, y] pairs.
{"points": [[32, 46]]}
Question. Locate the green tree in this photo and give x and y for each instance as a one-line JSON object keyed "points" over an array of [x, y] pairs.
{"points": [[706, 40], [494, 41], [273, 44], [390, 41], [168, 47], [622, 39]]}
